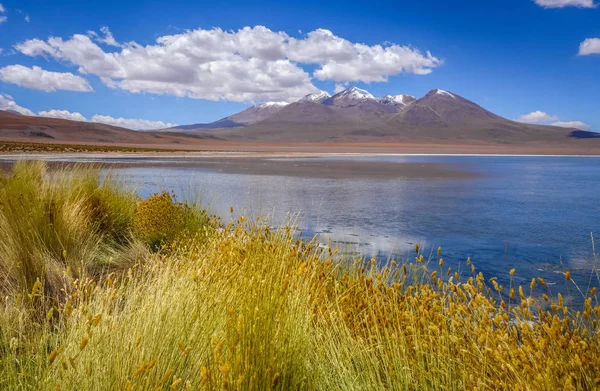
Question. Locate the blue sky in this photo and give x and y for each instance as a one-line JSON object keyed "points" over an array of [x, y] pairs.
{"points": [[513, 57]]}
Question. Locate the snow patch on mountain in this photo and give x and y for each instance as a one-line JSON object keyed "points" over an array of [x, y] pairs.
{"points": [[445, 93], [318, 97], [397, 100], [273, 104], [355, 93]]}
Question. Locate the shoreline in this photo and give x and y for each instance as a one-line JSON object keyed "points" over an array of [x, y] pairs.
{"points": [[209, 148], [249, 154]]}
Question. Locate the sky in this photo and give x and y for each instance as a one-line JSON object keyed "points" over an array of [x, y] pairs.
{"points": [[153, 64]]}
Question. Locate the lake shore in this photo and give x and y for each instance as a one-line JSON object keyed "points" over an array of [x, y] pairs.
{"points": [[574, 147]]}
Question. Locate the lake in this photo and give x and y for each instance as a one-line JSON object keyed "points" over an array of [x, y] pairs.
{"points": [[534, 214]]}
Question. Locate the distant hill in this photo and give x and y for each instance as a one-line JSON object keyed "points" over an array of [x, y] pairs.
{"points": [[14, 126], [355, 115]]}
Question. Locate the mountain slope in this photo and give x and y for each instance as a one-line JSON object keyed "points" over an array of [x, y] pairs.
{"points": [[249, 116]]}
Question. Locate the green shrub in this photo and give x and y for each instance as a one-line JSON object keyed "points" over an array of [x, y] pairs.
{"points": [[160, 219]]}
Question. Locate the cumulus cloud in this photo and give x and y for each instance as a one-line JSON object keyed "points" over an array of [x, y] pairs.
{"points": [[250, 64], [342, 60], [41, 79], [589, 46], [566, 3], [339, 88], [138, 124], [2, 9], [63, 114], [3, 19], [108, 38], [540, 117], [8, 103], [537, 116], [572, 124]]}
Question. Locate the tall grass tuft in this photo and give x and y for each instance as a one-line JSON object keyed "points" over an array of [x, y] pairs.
{"points": [[245, 307], [61, 223]]}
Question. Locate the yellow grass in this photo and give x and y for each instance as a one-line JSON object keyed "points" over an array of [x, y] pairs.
{"points": [[243, 307]]}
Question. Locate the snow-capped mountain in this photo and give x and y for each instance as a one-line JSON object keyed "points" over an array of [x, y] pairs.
{"points": [[357, 115], [349, 97], [397, 100], [315, 98]]}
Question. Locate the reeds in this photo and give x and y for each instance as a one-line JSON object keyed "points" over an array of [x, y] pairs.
{"points": [[245, 307]]}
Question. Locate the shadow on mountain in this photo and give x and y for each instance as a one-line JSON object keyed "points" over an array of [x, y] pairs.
{"points": [[583, 134]]}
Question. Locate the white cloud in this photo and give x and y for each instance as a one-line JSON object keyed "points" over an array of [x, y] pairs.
{"points": [[589, 46], [63, 114], [108, 37], [27, 18], [129, 123], [572, 124], [8, 103], [2, 9], [3, 19], [541, 117], [138, 124], [250, 64], [342, 60], [339, 88], [40, 79], [537, 116], [566, 3]]}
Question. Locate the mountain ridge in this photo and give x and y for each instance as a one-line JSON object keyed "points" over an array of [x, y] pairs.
{"points": [[356, 115]]}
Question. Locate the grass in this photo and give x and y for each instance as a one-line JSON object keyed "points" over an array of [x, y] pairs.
{"points": [[204, 305]]}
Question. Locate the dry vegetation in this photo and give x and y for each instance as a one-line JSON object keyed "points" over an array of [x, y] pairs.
{"points": [[32, 147], [104, 291]]}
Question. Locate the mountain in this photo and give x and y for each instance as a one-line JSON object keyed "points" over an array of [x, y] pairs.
{"points": [[444, 106], [356, 115], [249, 116]]}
